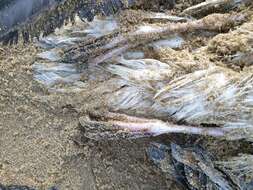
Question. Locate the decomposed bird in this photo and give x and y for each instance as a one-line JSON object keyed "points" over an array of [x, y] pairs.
{"points": [[131, 76], [142, 87], [156, 96]]}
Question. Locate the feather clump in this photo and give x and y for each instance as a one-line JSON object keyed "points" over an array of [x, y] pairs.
{"points": [[209, 96], [53, 14]]}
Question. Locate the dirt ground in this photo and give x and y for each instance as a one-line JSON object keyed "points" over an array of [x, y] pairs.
{"points": [[35, 139], [38, 143]]}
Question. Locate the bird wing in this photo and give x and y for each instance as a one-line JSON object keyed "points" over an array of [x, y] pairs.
{"points": [[31, 18]]}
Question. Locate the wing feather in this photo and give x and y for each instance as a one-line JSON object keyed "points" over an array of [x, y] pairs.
{"points": [[44, 16]]}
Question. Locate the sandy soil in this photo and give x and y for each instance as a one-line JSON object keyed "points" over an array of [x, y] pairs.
{"points": [[36, 146]]}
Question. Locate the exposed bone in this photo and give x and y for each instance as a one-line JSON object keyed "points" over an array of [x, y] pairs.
{"points": [[211, 6], [166, 17], [114, 123]]}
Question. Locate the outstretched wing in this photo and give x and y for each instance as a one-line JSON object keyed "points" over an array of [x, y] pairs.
{"points": [[30, 18]]}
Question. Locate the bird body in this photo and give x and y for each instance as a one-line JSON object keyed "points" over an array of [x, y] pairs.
{"points": [[124, 82], [152, 88]]}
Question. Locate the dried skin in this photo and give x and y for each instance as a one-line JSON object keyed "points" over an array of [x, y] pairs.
{"points": [[121, 42]]}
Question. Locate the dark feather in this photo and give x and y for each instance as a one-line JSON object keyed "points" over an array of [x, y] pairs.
{"points": [[44, 16]]}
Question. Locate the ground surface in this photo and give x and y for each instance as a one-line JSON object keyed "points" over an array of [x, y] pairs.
{"points": [[38, 146], [35, 137]]}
